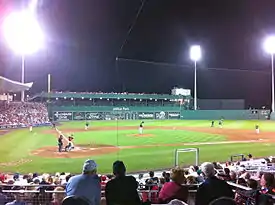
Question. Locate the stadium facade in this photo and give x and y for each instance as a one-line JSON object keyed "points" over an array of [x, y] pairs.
{"points": [[67, 106]]}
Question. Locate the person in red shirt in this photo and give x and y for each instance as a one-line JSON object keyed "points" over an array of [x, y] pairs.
{"points": [[174, 189]]}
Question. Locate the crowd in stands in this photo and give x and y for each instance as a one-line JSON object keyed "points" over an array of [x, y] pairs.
{"points": [[210, 184], [23, 113]]}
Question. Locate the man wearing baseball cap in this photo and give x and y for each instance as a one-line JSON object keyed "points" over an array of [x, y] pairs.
{"points": [[86, 185]]}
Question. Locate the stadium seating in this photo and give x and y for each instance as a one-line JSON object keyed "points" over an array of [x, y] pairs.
{"points": [[41, 187], [23, 114]]}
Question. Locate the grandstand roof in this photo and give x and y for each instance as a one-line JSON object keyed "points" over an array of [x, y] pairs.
{"points": [[7, 85]]}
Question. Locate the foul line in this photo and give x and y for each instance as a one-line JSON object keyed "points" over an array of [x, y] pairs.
{"points": [[60, 133]]}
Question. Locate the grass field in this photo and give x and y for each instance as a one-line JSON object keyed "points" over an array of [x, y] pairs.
{"points": [[139, 153]]}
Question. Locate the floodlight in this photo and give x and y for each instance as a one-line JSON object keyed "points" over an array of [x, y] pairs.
{"points": [[195, 52], [269, 45], [23, 33]]}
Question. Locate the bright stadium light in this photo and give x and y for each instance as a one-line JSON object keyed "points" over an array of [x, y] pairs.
{"points": [[269, 47], [23, 35], [195, 55]]}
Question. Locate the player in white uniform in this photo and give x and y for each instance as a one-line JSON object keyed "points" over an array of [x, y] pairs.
{"points": [[30, 128], [220, 123], [141, 128], [87, 126], [257, 129]]}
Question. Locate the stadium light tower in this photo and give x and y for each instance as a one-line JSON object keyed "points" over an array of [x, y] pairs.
{"points": [[269, 47], [195, 55], [24, 36]]}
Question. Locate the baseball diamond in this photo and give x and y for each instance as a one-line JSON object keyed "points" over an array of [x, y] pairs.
{"points": [[111, 110], [106, 141]]}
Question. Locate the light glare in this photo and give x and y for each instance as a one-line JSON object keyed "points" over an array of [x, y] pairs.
{"points": [[23, 33], [195, 52], [269, 45]]}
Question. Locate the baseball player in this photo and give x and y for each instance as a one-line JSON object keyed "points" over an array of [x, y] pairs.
{"points": [[220, 123], [60, 143], [141, 128], [70, 144], [212, 123], [30, 128], [257, 129], [87, 126]]}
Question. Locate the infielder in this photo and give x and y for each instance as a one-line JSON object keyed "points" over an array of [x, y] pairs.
{"points": [[141, 128], [212, 123], [257, 129], [220, 124]]}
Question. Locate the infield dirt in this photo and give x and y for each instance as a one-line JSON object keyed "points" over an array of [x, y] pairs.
{"points": [[82, 151]]}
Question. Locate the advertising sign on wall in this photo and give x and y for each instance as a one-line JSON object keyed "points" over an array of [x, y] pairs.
{"points": [[63, 116], [94, 116], [161, 115], [174, 115], [79, 115], [146, 115]]}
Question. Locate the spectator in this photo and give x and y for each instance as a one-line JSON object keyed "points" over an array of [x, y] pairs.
{"points": [[250, 157], [122, 189], [18, 197], [161, 182], [58, 197], [212, 188], [3, 198], [167, 177], [31, 196], [86, 185], [233, 176], [174, 189], [191, 180], [23, 114], [226, 176], [152, 179], [267, 183]]}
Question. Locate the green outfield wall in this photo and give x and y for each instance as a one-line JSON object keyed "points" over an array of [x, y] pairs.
{"points": [[226, 114], [68, 113]]}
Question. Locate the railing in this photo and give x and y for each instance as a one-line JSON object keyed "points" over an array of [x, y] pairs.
{"points": [[37, 194]]}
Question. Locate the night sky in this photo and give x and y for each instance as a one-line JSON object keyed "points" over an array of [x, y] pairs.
{"points": [[84, 38]]}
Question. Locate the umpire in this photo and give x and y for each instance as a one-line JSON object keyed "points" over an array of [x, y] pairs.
{"points": [[60, 143]]}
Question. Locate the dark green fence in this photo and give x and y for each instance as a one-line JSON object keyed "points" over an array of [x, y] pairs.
{"points": [[225, 114], [68, 113]]}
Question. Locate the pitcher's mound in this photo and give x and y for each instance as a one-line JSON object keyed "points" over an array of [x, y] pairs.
{"points": [[80, 151], [141, 135]]}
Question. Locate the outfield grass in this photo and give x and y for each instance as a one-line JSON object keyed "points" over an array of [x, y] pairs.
{"points": [[18, 144]]}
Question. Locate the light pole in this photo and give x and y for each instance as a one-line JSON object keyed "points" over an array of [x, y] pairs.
{"points": [[269, 46], [195, 55], [24, 36], [22, 76]]}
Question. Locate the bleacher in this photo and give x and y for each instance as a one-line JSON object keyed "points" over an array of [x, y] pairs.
{"points": [[43, 190]]}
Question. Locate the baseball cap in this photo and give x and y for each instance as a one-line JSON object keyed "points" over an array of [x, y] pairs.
{"points": [[89, 165]]}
